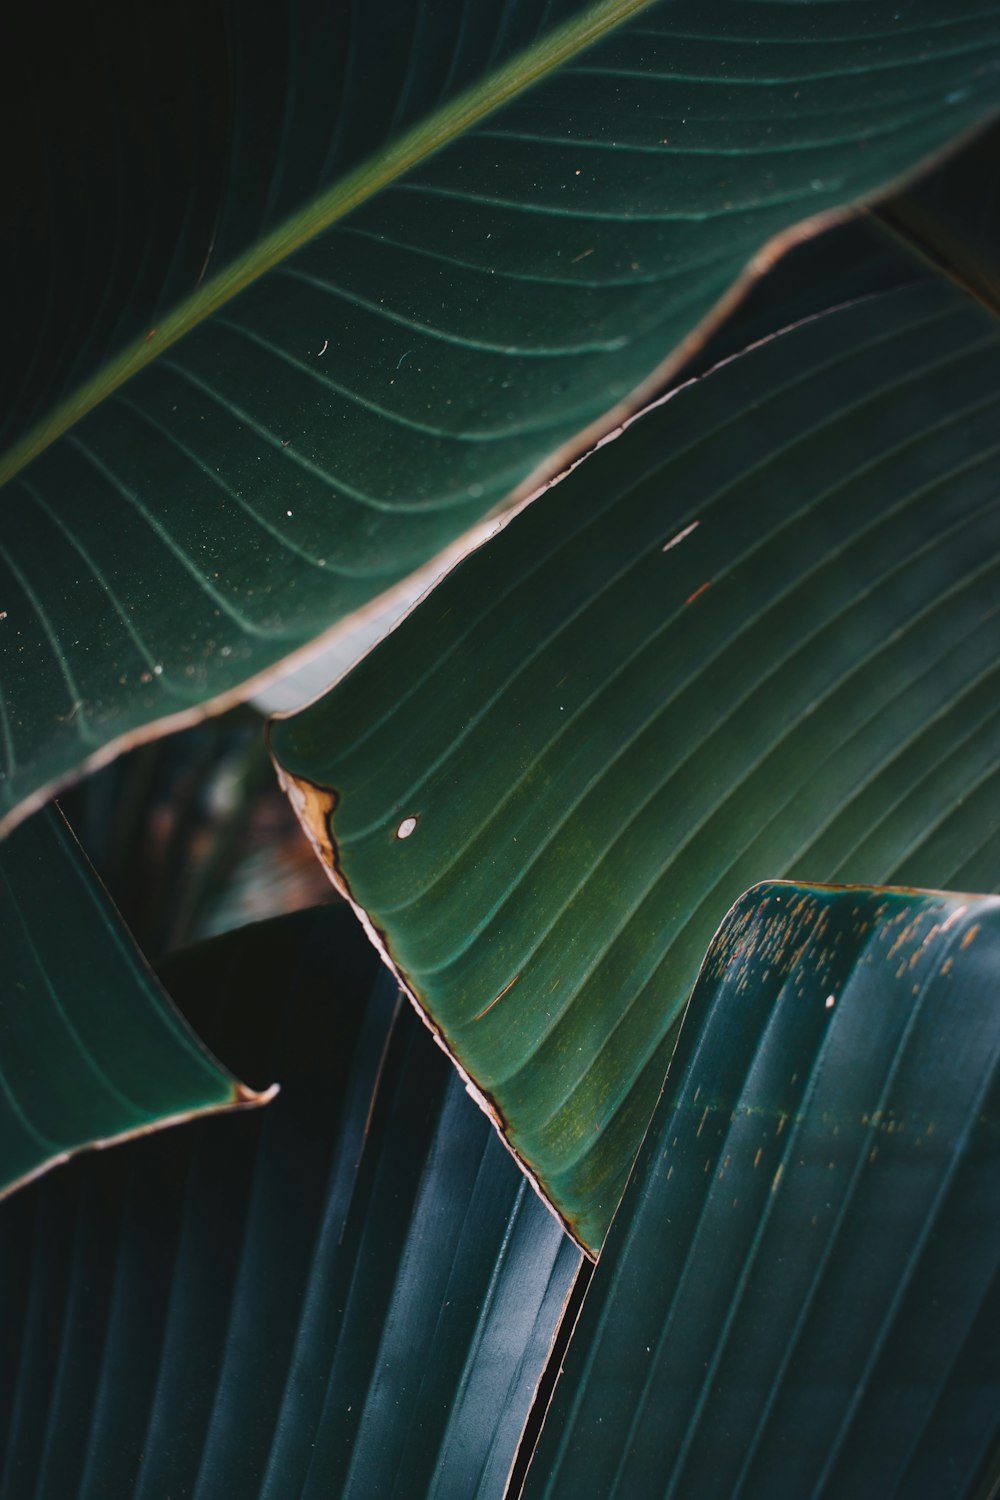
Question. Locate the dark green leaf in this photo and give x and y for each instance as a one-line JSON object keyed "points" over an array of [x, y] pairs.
{"points": [[799, 1295], [161, 146], [349, 1294], [430, 343], [756, 635], [849, 260], [91, 1048], [953, 217]]}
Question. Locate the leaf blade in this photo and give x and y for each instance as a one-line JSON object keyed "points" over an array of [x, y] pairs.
{"points": [[263, 1284], [509, 325], [819, 1283], [712, 653], [94, 1051]]}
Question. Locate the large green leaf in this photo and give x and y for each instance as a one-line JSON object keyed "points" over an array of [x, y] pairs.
{"points": [[407, 352], [352, 1293], [849, 260], [799, 1294], [755, 635], [92, 1048], [163, 146]]}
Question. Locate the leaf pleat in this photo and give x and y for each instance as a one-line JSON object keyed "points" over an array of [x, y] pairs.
{"points": [[756, 635], [485, 276], [93, 1048], [795, 1296], [244, 1310]]}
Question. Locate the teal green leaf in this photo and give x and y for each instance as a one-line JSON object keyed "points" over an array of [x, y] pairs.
{"points": [[433, 331], [350, 1294], [756, 635], [849, 260], [799, 1294], [93, 1050]]}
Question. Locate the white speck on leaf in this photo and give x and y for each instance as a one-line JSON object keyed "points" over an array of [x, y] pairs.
{"points": [[674, 540], [406, 828]]}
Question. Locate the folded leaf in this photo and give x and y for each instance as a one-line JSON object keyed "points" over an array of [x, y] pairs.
{"points": [[953, 217], [755, 635], [799, 1293], [93, 1049], [350, 1294], [425, 338]]}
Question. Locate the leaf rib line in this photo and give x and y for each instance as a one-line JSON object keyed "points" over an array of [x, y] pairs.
{"points": [[796, 147], [905, 745], [748, 770], [77, 708], [635, 1229], [625, 283], [287, 544], [727, 39], [134, 1111], [974, 855], [931, 829], [172, 1315], [59, 523], [722, 211], [356, 399], [833, 1232], [914, 1250], [829, 419], [358, 185], [659, 959], [333, 481], [455, 340], [163, 535], [420, 684], [774, 1024], [36, 1299], [865, 70]]}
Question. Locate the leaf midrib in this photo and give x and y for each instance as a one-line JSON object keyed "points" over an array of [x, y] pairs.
{"points": [[363, 182]]}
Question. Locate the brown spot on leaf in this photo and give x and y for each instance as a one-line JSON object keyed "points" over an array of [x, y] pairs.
{"points": [[699, 591]]}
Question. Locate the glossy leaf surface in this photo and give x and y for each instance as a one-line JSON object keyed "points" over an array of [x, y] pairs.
{"points": [[755, 635], [92, 1047], [163, 144], [850, 260], [350, 1294], [408, 350], [800, 1291]]}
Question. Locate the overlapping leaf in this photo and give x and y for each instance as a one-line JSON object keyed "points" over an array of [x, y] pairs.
{"points": [[756, 635], [92, 1048], [408, 350], [148, 152], [352, 1293], [953, 216], [799, 1293], [852, 259]]}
